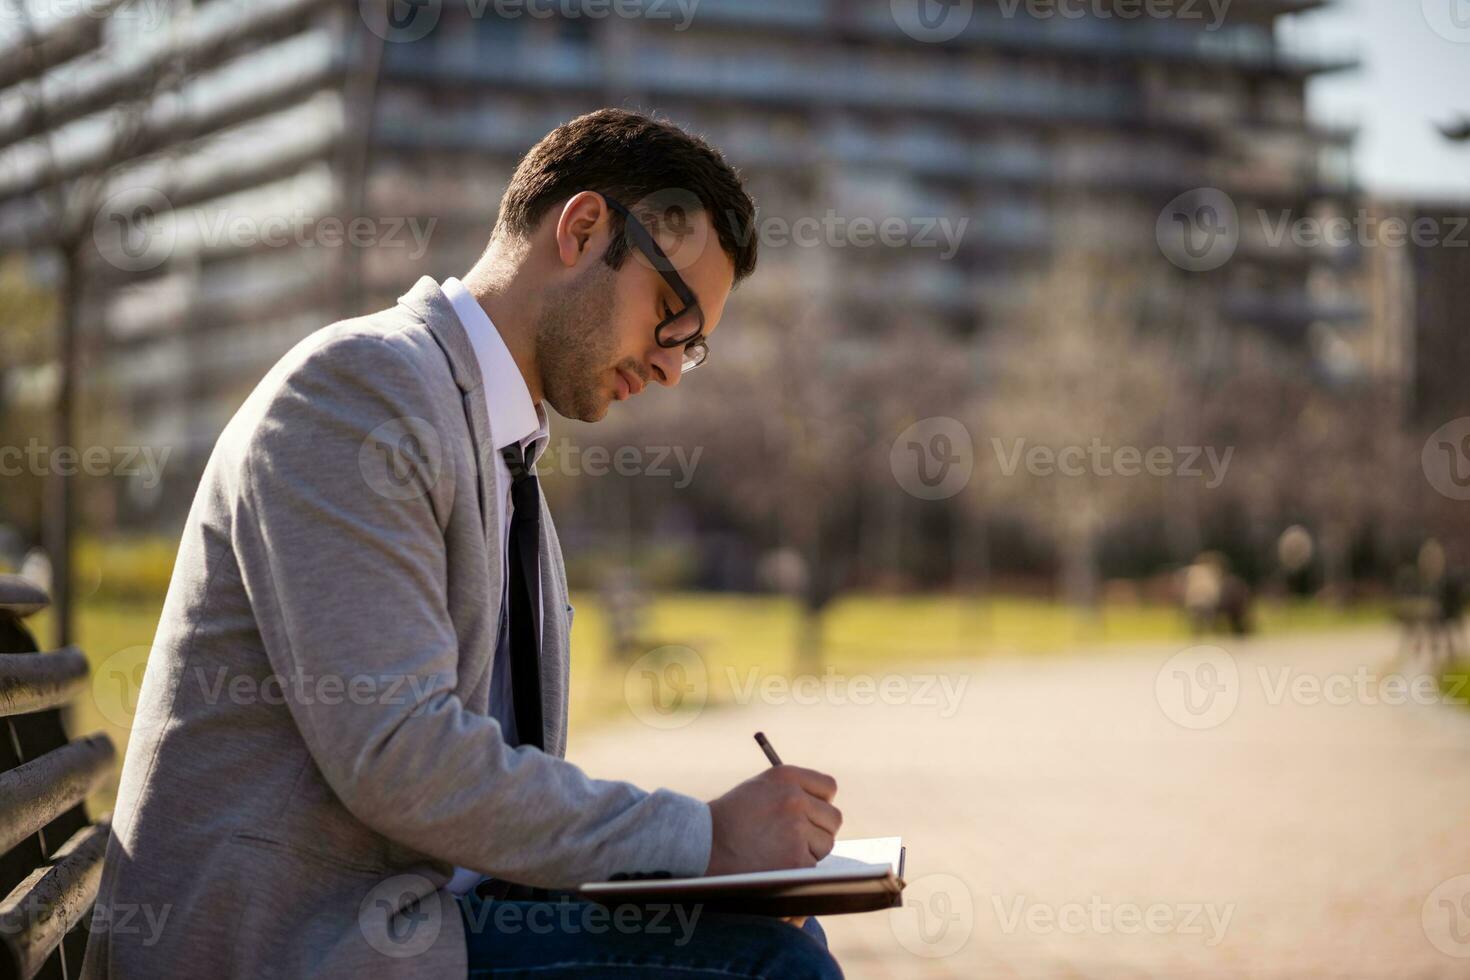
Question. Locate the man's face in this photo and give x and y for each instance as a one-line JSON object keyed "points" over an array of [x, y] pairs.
{"points": [[595, 337]]}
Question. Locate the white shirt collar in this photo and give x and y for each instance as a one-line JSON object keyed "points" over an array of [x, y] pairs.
{"points": [[513, 416]]}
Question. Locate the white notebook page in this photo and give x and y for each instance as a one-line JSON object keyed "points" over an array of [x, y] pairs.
{"points": [[866, 857]]}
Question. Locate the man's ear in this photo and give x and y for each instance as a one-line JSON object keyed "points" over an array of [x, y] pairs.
{"points": [[582, 227]]}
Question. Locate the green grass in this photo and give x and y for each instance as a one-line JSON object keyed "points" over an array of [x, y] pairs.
{"points": [[1455, 684], [719, 642], [733, 634]]}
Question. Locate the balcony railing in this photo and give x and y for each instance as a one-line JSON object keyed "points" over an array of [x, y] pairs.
{"points": [[766, 78], [1290, 309], [1244, 45]]}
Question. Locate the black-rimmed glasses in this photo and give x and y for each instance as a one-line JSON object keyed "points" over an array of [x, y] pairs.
{"points": [[679, 328]]}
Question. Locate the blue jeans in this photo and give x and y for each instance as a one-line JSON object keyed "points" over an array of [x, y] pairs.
{"points": [[569, 939]]}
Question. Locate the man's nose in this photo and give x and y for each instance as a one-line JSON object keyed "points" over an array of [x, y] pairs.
{"points": [[667, 364]]}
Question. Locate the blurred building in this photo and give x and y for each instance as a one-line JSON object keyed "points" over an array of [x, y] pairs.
{"points": [[276, 118], [1416, 285]]}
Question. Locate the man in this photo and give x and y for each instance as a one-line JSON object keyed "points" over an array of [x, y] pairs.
{"points": [[347, 754]]}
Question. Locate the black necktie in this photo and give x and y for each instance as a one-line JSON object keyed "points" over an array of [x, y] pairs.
{"points": [[525, 646]]}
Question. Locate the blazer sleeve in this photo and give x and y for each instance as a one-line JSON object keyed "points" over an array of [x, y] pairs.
{"points": [[348, 582]]}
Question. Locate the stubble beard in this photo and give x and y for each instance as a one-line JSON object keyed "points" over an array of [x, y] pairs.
{"points": [[575, 346]]}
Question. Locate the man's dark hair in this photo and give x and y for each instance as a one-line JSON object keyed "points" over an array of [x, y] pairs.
{"points": [[638, 161]]}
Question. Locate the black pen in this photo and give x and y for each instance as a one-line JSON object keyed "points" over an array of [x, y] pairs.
{"points": [[760, 739]]}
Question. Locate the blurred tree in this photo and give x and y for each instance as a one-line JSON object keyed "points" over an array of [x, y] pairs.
{"points": [[1316, 453], [1079, 376], [27, 314], [71, 191], [794, 423]]}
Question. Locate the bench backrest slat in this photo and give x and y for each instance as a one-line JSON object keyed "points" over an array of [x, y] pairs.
{"points": [[50, 852], [37, 792], [35, 681], [53, 900]]}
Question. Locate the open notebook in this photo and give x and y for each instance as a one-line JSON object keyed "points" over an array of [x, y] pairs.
{"points": [[858, 876]]}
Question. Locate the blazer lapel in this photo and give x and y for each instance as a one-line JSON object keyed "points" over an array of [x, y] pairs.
{"points": [[434, 308], [428, 301], [555, 638]]}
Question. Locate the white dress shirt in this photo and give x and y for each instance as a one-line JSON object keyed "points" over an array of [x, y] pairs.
{"points": [[514, 418]]}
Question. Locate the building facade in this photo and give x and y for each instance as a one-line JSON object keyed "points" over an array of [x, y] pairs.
{"points": [[227, 177]]}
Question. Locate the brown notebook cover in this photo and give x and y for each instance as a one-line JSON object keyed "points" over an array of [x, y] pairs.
{"points": [[848, 880]]}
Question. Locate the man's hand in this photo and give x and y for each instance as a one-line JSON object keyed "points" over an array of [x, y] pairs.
{"points": [[783, 818]]}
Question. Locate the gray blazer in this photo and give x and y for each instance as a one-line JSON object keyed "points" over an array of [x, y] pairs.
{"points": [[312, 753]]}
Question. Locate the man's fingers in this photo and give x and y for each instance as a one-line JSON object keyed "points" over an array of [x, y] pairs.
{"points": [[819, 842], [818, 784], [824, 815]]}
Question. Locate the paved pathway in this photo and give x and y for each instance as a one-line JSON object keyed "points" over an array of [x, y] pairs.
{"points": [[1062, 820]]}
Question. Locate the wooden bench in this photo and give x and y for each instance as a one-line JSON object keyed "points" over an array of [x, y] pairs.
{"points": [[50, 852]]}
